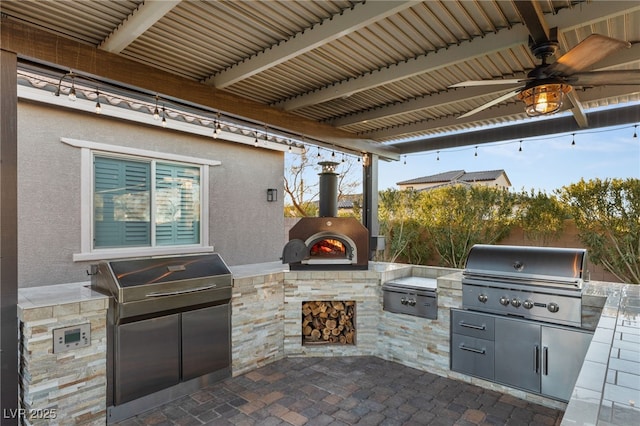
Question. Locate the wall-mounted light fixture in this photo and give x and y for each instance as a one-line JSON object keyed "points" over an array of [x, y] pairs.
{"points": [[272, 194]]}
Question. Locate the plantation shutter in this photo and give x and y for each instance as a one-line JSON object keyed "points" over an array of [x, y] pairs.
{"points": [[177, 204], [121, 203]]}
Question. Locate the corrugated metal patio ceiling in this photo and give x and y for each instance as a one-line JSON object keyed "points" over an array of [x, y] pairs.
{"points": [[371, 82]]}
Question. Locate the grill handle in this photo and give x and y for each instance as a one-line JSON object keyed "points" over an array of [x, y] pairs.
{"points": [[474, 350], [475, 327], [175, 293]]}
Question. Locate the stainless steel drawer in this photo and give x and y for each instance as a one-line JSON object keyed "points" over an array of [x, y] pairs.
{"points": [[472, 356], [472, 324]]}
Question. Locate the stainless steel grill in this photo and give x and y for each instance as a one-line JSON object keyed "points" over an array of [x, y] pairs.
{"points": [[540, 283], [152, 285], [521, 318], [168, 328]]}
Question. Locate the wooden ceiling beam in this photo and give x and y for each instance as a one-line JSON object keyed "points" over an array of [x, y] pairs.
{"points": [[44, 47]]}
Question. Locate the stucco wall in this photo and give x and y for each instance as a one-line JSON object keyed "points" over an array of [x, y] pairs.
{"points": [[243, 226]]}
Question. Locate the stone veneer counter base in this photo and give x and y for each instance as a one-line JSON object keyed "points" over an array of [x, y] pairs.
{"points": [[266, 327]]}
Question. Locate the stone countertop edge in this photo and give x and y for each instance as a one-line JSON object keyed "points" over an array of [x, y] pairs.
{"points": [[258, 269], [59, 294], [592, 394]]}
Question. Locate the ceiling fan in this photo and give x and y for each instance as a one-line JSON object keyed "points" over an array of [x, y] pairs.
{"points": [[545, 86]]}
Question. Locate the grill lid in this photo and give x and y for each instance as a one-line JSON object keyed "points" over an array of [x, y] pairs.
{"points": [[526, 263], [130, 273]]}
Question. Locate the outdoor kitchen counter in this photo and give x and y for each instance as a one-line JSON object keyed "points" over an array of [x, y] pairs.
{"points": [[608, 388]]}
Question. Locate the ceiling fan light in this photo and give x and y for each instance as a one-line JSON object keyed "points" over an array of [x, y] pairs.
{"points": [[544, 98]]}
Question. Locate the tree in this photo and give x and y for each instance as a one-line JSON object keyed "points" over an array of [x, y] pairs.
{"points": [[541, 216], [301, 183], [607, 215], [457, 217], [402, 232]]}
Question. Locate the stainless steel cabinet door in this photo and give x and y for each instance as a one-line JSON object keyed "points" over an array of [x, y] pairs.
{"points": [[206, 341], [147, 357], [517, 345], [563, 353]]}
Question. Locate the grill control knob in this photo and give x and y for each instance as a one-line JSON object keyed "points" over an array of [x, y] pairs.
{"points": [[412, 302], [483, 298], [504, 301], [553, 307], [527, 304], [515, 302]]}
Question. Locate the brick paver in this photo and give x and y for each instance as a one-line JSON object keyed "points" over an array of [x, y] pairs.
{"points": [[338, 391]]}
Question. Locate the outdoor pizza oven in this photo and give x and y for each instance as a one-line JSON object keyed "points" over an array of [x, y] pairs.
{"points": [[327, 241]]}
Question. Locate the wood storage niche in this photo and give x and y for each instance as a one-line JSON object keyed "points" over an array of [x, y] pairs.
{"points": [[329, 322]]}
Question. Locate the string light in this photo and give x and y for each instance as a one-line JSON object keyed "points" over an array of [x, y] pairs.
{"points": [[573, 141], [161, 111], [156, 113], [217, 123], [217, 128], [98, 106], [255, 142], [72, 91], [405, 159]]}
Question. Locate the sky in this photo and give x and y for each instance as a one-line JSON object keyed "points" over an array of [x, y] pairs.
{"points": [[545, 163]]}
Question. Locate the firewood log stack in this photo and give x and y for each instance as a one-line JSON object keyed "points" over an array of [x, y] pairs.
{"points": [[328, 322]]}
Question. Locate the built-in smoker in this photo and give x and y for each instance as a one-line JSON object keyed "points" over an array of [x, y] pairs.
{"points": [[168, 328], [521, 319]]}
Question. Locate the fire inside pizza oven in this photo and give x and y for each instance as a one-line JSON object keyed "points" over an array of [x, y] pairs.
{"points": [[330, 248]]}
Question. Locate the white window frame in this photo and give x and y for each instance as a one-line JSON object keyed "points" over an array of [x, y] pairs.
{"points": [[87, 151]]}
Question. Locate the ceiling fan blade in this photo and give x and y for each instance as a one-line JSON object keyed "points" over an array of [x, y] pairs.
{"points": [[491, 103], [470, 83], [589, 51], [605, 78]]}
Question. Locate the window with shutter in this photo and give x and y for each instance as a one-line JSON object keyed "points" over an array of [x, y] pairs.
{"points": [[121, 203], [127, 213], [177, 199]]}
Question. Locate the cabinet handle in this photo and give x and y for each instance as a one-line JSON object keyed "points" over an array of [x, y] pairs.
{"points": [[545, 361], [536, 359], [475, 327], [474, 350]]}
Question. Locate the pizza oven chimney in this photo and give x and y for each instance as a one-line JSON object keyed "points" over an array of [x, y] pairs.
{"points": [[328, 204]]}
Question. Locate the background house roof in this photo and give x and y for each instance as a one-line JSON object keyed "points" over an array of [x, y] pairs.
{"points": [[355, 76], [458, 176]]}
